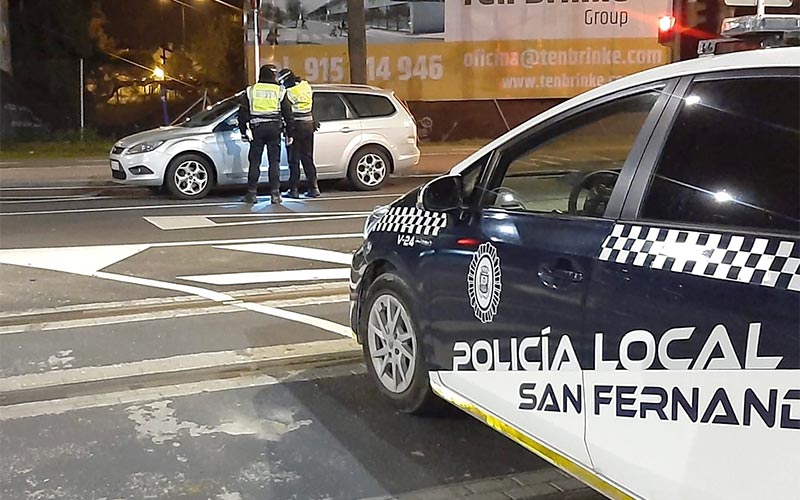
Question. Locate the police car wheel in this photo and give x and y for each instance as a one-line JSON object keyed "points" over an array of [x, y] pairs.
{"points": [[369, 169], [189, 177], [393, 349]]}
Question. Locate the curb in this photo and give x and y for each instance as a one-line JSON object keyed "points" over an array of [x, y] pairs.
{"points": [[104, 310], [189, 368]]}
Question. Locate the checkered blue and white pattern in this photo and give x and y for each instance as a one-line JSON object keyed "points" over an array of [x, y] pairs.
{"points": [[771, 262], [412, 220]]}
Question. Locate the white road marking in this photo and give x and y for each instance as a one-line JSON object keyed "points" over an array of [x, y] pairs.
{"points": [[88, 261], [270, 277], [276, 214], [54, 199], [231, 203], [85, 187], [169, 223], [322, 324], [178, 301], [294, 251], [266, 239], [119, 209], [227, 299], [84, 261], [16, 256], [277, 354], [49, 326]]}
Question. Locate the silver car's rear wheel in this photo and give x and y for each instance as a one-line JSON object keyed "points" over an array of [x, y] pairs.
{"points": [[369, 168], [189, 177]]}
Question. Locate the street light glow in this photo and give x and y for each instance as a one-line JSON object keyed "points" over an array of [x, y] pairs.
{"points": [[159, 73], [722, 197]]}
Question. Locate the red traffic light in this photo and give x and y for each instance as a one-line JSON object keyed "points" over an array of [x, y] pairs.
{"points": [[666, 29]]}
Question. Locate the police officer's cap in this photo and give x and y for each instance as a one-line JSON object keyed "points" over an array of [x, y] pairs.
{"points": [[267, 72], [286, 75]]}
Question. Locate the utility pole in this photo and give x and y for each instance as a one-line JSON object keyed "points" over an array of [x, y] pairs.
{"points": [[164, 109], [357, 41], [83, 107], [256, 4]]}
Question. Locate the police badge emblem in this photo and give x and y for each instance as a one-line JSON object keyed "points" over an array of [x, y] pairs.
{"points": [[484, 282]]}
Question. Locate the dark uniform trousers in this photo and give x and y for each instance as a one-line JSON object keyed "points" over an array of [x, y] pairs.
{"points": [[265, 134], [302, 151]]}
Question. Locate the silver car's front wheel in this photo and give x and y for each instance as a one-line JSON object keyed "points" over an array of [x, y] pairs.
{"points": [[189, 177], [392, 343]]}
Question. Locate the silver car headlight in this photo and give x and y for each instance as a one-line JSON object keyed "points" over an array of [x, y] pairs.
{"points": [[377, 214], [144, 147]]}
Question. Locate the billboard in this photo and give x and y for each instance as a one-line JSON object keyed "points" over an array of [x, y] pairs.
{"points": [[472, 49]]}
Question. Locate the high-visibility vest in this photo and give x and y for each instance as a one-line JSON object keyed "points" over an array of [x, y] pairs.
{"points": [[265, 100], [301, 97]]}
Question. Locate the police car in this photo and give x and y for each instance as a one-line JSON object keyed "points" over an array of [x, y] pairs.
{"points": [[615, 284]]}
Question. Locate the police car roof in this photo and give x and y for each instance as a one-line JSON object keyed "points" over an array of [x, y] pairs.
{"points": [[785, 57]]}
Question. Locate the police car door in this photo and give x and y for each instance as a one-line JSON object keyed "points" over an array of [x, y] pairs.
{"points": [[694, 389], [506, 286]]}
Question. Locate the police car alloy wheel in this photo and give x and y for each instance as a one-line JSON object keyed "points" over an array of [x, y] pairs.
{"points": [[369, 169], [189, 177], [393, 348]]}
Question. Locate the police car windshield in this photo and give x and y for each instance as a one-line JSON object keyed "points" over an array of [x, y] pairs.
{"points": [[209, 116]]}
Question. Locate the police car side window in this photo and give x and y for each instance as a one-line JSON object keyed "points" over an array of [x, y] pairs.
{"points": [[732, 157], [328, 107], [572, 166]]}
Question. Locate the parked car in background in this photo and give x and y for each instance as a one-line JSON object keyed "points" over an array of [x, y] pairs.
{"points": [[365, 135]]}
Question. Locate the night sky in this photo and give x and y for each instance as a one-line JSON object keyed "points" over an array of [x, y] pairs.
{"points": [[144, 24]]}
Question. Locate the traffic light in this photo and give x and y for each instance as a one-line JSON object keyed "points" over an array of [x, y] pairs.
{"points": [[666, 30]]}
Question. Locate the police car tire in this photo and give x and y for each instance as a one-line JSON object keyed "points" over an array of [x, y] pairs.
{"points": [[169, 177], [418, 398], [352, 173]]}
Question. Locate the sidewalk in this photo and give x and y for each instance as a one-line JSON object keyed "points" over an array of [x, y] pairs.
{"points": [[94, 171]]}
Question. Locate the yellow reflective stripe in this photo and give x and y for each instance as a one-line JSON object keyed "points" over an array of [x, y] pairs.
{"points": [[301, 97], [573, 468], [264, 99]]}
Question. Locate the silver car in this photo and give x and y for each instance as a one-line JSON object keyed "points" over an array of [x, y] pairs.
{"points": [[365, 135]]}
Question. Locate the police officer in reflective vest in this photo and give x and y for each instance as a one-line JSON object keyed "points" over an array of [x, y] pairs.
{"points": [[300, 96], [263, 108]]}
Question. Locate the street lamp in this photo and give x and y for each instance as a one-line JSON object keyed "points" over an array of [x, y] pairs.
{"points": [[159, 74]]}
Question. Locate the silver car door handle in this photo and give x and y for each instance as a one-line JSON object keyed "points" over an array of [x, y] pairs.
{"points": [[346, 130]]}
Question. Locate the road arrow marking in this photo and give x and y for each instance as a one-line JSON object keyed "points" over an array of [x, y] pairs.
{"points": [[294, 251], [85, 261], [270, 277]]}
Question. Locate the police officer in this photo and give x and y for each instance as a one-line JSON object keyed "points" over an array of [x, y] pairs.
{"points": [[300, 95], [265, 110]]}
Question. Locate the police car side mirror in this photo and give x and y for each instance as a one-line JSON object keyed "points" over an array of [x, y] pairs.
{"points": [[444, 194]]}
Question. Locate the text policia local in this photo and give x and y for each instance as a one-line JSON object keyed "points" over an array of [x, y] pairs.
{"points": [[515, 354], [696, 400]]}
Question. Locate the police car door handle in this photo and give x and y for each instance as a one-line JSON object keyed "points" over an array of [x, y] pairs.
{"points": [[558, 277]]}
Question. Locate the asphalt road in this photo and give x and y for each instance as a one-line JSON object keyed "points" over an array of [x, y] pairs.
{"points": [[153, 348]]}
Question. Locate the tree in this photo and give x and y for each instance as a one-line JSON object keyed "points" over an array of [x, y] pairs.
{"points": [[218, 53], [48, 45], [294, 10]]}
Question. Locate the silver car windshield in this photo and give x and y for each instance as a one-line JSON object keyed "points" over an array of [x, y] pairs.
{"points": [[209, 116]]}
